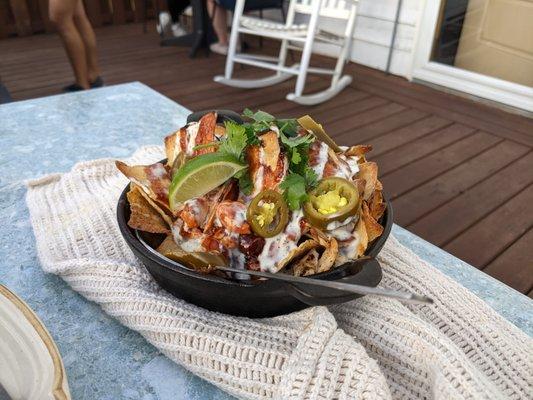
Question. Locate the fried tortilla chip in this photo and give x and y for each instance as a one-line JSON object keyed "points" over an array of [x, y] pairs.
{"points": [[328, 257], [360, 184], [377, 205], [170, 145], [373, 228], [200, 261], [362, 238], [153, 179], [307, 265], [220, 130], [295, 254], [369, 172], [164, 214], [360, 150], [330, 249], [143, 216]]}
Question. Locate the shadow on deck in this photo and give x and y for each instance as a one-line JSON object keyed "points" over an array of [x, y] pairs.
{"points": [[459, 173]]}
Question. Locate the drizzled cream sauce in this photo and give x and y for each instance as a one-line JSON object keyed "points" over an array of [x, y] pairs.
{"points": [[278, 247], [321, 160], [259, 175], [187, 244], [348, 166], [192, 132]]}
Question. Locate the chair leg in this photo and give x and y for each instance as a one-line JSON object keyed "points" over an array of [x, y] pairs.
{"points": [[233, 39], [284, 19]]}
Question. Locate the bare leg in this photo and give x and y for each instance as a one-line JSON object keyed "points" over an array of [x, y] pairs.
{"points": [[89, 40], [62, 14], [219, 21]]}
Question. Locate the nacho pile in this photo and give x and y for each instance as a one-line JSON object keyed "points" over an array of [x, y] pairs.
{"points": [[264, 195]]}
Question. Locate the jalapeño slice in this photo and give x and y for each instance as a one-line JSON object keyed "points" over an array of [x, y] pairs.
{"points": [[334, 199], [267, 214]]}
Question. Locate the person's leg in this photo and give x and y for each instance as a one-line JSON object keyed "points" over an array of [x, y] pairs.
{"points": [[89, 40], [220, 23], [62, 14]]}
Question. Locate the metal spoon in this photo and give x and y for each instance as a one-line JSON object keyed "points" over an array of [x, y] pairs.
{"points": [[346, 287]]}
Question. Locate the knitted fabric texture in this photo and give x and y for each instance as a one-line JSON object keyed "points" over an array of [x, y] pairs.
{"points": [[372, 348]]}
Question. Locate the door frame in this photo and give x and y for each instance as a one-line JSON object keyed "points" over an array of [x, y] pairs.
{"points": [[484, 86]]}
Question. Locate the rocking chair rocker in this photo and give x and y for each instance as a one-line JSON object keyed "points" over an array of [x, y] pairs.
{"points": [[298, 37]]}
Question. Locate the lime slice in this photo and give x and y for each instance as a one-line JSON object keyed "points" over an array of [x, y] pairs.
{"points": [[201, 175]]}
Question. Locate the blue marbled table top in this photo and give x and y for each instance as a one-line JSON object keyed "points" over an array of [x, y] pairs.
{"points": [[103, 359]]}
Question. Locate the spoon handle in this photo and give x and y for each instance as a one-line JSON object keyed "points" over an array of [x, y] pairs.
{"points": [[346, 287]]}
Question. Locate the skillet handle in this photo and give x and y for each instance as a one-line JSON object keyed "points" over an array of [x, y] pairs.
{"points": [[365, 271]]}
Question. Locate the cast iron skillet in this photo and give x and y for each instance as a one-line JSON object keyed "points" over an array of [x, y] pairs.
{"points": [[254, 299]]}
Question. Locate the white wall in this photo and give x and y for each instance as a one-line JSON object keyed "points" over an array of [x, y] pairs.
{"points": [[373, 33]]}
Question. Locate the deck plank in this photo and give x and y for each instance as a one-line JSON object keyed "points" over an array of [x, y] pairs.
{"points": [[451, 101], [466, 119], [447, 222], [514, 266], [391, 154], [427, 168], [484, 241], [427, 197], [425, 141]]}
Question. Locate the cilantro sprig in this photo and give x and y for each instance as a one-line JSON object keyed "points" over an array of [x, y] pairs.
{"points": [[301, 176]]}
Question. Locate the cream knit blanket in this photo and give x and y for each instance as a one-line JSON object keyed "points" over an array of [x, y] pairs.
{"points": [[372, 348]]}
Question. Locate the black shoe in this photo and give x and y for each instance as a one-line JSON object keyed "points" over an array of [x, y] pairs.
{"points": [[98, 82], [73, 88]]}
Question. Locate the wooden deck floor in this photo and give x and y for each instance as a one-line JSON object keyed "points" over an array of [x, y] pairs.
{"points": [[459, 173]]}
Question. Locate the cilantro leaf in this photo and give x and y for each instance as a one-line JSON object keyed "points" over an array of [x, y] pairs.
{"points": [[296, 158], [311, 177], [288, 126], [296, 141], [235, 142], [294, 190], [259, 116]]}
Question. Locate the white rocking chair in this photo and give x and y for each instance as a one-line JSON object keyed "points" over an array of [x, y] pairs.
{"points": [[293, 36]]}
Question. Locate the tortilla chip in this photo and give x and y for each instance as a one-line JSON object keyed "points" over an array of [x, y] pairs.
{"points": [[369, 172], [164, 214], [328, 257], [143, 216], [307, 265], [360, 150], [169, 247], [360, 184], [373, 228], [362, 237], [220, 130], [170, 146], [201, 261], [297, 253], [377, 205], [153, 179]]}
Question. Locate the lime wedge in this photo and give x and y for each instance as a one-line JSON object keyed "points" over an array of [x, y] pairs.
{"points": [[201, 175]]}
